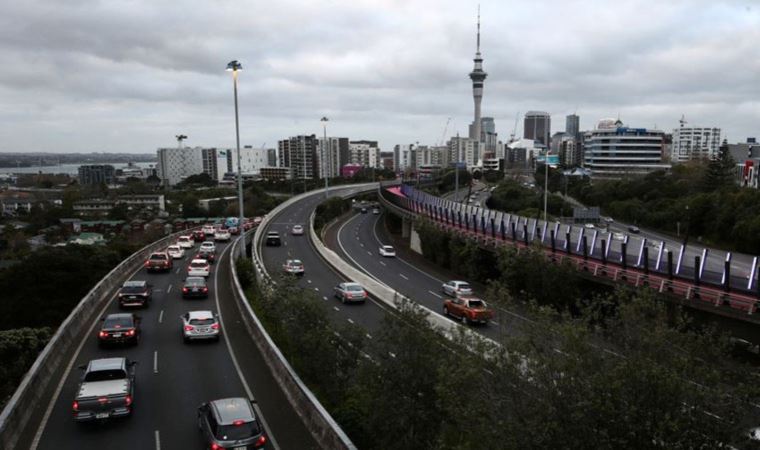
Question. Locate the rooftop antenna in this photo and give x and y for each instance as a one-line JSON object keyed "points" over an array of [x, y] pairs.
{"points": [[478, 48], [683, 121], [180, 138]]}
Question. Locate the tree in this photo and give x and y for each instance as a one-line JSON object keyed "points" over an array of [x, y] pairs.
{"points": [[720, 171], [201, 179]]}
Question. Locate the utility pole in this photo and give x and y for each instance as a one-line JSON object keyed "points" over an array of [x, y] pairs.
{"points": [[546, 184], [326, 153]]}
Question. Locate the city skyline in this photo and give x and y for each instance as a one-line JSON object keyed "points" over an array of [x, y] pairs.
{"points": [[125, 78]]}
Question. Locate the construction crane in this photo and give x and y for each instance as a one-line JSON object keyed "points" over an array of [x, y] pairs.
{"points": [[443, 135], [514, 130]]}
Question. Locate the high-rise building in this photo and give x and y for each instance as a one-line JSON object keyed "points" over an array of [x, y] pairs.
{"points": [[573, 126], [430, 156], [615, 151], [272, 157], [488, 136], [386, 160], [465, 150], [90, 174], [538, 126], [332, 157], [252, 159], [300, 154], [177, 163], [478, 77], [694, 143], [364, 153], [403, 157]]}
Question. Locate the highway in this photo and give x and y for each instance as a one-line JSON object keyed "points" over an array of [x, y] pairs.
{"points": [[173, 378]]}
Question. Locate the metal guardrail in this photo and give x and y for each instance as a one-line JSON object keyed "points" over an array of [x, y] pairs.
{"points": [[17, 412]]}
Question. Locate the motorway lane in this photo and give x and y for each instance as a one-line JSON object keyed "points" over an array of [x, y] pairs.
{"points": [[172, 378], [318, 276]]}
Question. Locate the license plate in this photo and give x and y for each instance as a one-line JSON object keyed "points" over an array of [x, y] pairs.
{"points": [[117, 335], [195, 289], [101, 415], [240, 448]]}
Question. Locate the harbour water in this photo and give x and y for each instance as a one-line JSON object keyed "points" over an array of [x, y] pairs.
{"points": [[69, 169]]}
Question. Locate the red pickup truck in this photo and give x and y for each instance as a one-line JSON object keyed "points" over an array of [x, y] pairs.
{"points": [[159, 261], [468, 309]]}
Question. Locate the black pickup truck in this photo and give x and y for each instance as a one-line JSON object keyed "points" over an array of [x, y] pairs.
{"points": [[106, 390]]}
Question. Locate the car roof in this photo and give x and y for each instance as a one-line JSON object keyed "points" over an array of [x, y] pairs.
{"points": [[119, 316], [351, 284], [387, 246], [173, 246], [273, 232], [297, 226], [107, 364], [200, 314], [185, 237], [135, 283], [199, 261], [195, 280], [208, 243], [293, 261], [458, 282], [228, 410]]}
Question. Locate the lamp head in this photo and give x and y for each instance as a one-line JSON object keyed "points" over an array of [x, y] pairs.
{"points": [[324, 120], [234, 66]]}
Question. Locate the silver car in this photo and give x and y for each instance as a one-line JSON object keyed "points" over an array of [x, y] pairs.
{"points": [[200, 325], [230, 423], [456, 288]]}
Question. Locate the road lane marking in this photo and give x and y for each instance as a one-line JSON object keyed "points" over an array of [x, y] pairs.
{"points": [[308, 281], [316, 289], [495, 323], [350, 321], [381, 262], [155, 361], [336, 308], [158, 440], [178, 268], [369, 336], [161, 316], [393, 355], [403, 276], [435, 294], [324, 297], [369, 253], [169, 289], [362, 245]]}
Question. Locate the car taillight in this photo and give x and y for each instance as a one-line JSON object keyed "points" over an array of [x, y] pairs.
{"points": [[260, 441], [215, 446], [237, 423], [102, 334], [102, 400], [364, 293], [184, 289], [131, 333], [215, 326], [188, 328], [128, 400], [75, 406], [205, 289], [147, 263]]}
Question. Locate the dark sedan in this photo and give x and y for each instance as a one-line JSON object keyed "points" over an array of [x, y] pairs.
{"points": [[199, 236], [121, 328], [195, 287], [135, 293], [207, 255]]}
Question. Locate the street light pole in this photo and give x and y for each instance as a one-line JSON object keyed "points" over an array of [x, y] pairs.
{"points": [[234, 66], [327, 152], [546, 184]]}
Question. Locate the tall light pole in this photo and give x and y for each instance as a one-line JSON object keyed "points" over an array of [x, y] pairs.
{"points": [[234, 66], [327, 152], [546, 183]]}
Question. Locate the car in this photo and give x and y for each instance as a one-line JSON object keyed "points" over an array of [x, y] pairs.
{"points": [[135, 293], [247, 224], [273, 239], [208, 255], [122, 328], [375, 211], [159, 261], [199, 236], [456, 288], [234, 230], [208, 229], [200, 325], [175, 251], [297, 230], [350, 292], [633, 229], [363, 210], [195, 287], [106, 391], [222, 235], [198, 268], [387, 250], [618, 236], [608, 219], [467, 309], [207, 246], [257, 221], [186, 241], [230, 423], [589, 226], [293, 267]]}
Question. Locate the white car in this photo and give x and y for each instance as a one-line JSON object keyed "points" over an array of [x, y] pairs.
{"points": [[207, 246], [208, 230], [618, 236], [297, 230], [387, 250], [200, 325], [186, 242], [175, 251], [293, 267], [198, 268], [456, 288], [222, 235], [376, 211], [589, 226]]}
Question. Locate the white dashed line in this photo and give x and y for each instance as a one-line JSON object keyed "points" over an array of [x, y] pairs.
{"points": [[369, 253], [381, 262], [324, 297], [316, 289], [393, 355], [494, 323], [435, 294], [403, 276], [350, 321], [155, 361], [362, 245], [308, 281], [158, 440], [369, 336], [178, 268], [161, 316], [336, 308], [169, 289]]}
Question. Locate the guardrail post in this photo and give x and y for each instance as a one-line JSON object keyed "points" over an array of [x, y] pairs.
{"points": [[585, 248], [624, 255], [670, 265], [493, 229], [568, 250], [514, 231], [525, 234], [483, 224], [646, 260], [459, 218], [697, 260], [474, 223], [466, 223], [727, 269], [554, 241], [503, 232], [604, 254]]}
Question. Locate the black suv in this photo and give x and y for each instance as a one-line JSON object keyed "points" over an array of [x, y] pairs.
{"points": [[195, 287], [273, 239], [119, 329], [135, 293], [230, 423]]}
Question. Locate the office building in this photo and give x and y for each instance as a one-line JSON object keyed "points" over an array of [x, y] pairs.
{"points": [[465, 150], [332, 156], [488, 136], [177, 163], [614, 151], [573, 126], [90, 174], [364, 153], [537, 127], [299, 153], [403, 157], [387, 160], [275, 173], [691, 143]]}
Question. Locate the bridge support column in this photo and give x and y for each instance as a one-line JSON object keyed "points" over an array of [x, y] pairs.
{"points": [[406, 227], [414, 240]]}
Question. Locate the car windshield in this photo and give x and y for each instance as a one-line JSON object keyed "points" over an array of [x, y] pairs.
{"points": [[131, 289], [195, 282], [158, 256], [198, 264], [237, 432], [477, 304], [105, 375], [388, 248], [353, 287], [464, 286], [173, 248], [207, 321], [184, 239], [117, 322]]}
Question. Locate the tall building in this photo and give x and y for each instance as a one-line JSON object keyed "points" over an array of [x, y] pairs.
{"points": [[251, 160], [364, 153], [478, 77], [694, 143], [616, 151], [332, 157], [430, 156], [386, 160], [272, 157], [177, 163], [90, 174], [299, 153], [488, 136], [538, 126], [573, 125], [465, 150], [403, 157]]}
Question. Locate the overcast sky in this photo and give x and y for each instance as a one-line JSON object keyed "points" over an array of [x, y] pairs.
{"points": [[127, 76]]}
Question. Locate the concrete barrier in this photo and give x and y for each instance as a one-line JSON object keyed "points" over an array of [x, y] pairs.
{"points": [[17, 412]]}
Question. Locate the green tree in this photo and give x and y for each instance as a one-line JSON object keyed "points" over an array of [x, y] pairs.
{"points": [[720, 171]]}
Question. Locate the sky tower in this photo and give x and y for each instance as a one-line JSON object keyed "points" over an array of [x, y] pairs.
{"points": [[478, 77]]}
